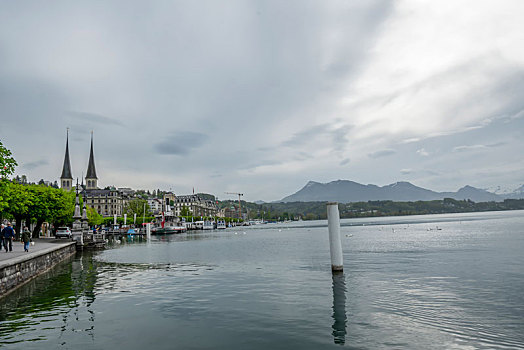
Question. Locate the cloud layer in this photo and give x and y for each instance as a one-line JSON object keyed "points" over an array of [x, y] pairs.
{"points": [[260, 97]]}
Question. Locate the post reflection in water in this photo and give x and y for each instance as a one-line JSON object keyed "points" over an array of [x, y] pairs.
{"points": [[339, 308]]}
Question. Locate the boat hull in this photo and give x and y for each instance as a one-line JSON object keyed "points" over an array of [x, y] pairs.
{"points": [[168, 230]]}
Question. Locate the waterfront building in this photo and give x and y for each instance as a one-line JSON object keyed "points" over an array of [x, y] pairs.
{"points": [[127, 191], [196, 205], [231, 212], [106, 202], [169, 198], [155, 205]]}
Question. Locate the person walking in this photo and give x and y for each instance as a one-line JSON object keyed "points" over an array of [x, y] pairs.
{"points": [[2, 226], [9, 233], [26, 238]]}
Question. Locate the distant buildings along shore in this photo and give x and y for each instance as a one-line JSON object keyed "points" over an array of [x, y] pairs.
{"points": [[112, 201]]}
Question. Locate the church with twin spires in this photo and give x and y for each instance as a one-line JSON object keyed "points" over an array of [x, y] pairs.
{"points": [[108, 201], [66, 179]]}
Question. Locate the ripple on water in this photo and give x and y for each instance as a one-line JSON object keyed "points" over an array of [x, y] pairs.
{"points": [[407, 287], [435, 302]]}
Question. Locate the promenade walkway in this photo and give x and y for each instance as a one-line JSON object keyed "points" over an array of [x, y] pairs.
{"points": [[42, 245]]}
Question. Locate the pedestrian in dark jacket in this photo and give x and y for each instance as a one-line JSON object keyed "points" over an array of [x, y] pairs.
{"points": [[2, 226], [9, 234], [26, 238]]}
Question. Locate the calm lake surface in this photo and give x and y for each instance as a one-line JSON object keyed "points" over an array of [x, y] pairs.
{"points": [[406, 285]]}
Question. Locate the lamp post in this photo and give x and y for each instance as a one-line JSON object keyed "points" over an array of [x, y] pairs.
{"points": [[144, 217]]}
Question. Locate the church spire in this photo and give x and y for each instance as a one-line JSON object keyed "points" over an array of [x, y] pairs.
{"points": [[66, 179], [91, 178]]}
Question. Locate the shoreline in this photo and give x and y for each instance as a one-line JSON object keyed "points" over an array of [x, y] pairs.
{"points": [[19, 267]]}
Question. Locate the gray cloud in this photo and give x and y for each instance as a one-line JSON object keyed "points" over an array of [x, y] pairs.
{"points": [[382, 153], [180, 143], [94, 118], [344, 162], [423, 152], [35, 164], [468, 148], [463, 148], [305, 136], [335, 137]]}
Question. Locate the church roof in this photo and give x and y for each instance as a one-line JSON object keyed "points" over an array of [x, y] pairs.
{"points": [[91, 171], [66, 169]]}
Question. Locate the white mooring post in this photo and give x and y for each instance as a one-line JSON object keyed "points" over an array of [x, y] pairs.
{"points": [[148, 231], [335, 246]]}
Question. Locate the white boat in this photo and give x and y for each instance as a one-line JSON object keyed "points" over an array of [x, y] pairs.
{"points": [[198, 225], [221, 224], [208, 225]]}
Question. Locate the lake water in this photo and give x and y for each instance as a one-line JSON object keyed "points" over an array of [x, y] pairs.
{"points": [[421, 282]]}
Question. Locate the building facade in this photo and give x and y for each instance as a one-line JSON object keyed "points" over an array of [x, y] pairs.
{"points": [[196, 205], [106, 202], [155, 205]]}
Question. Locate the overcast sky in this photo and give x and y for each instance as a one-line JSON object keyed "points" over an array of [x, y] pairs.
{"points": [[260, 97]]}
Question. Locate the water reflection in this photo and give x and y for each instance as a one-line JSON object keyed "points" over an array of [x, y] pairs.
{"points": [[54, 298], [339, 308]]}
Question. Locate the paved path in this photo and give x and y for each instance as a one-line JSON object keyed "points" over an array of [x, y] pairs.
{"points": [[41, 245]]}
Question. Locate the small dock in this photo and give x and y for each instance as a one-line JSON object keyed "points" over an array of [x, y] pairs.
{"points": [[116, 234]]}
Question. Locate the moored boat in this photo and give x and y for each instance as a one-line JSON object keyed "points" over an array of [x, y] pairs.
{"points": [[208, 225], [168, 230], [221, 224]]}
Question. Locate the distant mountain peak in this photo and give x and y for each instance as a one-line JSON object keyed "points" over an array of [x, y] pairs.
{"points": [[519, 190], [401, 184], [471, 188], [312, 183], [345, 191]]}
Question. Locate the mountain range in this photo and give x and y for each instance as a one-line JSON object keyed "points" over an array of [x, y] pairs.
{"points": [[345, 191]]}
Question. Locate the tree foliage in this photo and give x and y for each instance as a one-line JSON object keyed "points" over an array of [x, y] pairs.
{"points": [[184, 211], [37, 204], [93, 218], [7, 162], [136, 206], [7, 168]]}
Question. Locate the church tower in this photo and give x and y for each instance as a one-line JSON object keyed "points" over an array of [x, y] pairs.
{"points": [[91, 179], [66, 179]]}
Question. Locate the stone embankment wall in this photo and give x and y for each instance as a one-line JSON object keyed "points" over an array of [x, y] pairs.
{"points": [[15, 272]]}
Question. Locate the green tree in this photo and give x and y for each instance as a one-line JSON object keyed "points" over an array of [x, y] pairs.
{"points": [[19, 204], [184, 211], [7, 168], [41, 203], [63, 213], [7, 162], [93, 218], [136, 206], [5, 189]]}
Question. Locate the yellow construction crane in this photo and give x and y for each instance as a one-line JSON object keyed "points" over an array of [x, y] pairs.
{"points": [[239, 205]]}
